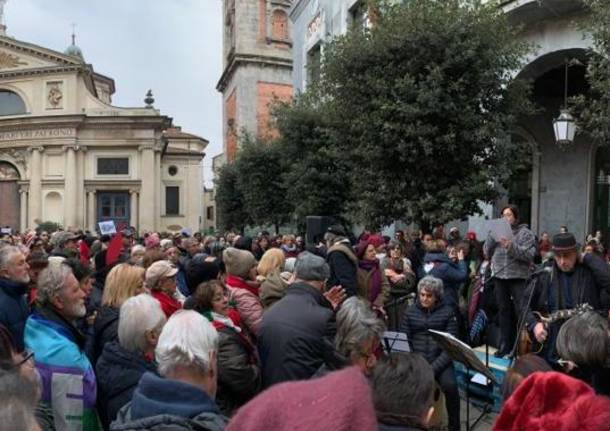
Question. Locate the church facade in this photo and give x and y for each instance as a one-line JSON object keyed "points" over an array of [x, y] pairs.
{"points": [[68, 156]]}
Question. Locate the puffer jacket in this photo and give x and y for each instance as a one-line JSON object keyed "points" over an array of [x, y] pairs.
{"points": [[247, 303], [514, 262], [118, 372], [160, 404], [453, 275], [416, 322], [14, 309]]}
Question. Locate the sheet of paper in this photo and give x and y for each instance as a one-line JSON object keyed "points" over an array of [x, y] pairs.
{"points": [[397, 341], [499, 228], [480, 379], [107, 227]]}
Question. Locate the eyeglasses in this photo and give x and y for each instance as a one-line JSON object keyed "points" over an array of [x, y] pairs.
{"points": [[27, 356]]}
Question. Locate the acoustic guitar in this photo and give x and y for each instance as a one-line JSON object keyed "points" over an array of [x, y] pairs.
{"points": [[527, 345]]}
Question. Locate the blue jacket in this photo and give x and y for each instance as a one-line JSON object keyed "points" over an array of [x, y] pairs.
{"points": [[14, 309], [160, 404], [118, 372], [453, 275]]}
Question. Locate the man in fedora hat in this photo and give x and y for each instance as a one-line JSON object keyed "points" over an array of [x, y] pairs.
{"points": [[570, 280]]}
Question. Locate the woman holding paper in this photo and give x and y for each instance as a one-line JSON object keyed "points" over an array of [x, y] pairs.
{"points": [[431, 312], [511, 259]]}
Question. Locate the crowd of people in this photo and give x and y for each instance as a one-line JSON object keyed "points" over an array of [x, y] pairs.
{"points": [[231, 332]]}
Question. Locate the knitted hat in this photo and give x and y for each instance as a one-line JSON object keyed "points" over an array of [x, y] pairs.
{"points": [[564, 242], [238, 262], [60, 239], [339, 401], [551, 401]]}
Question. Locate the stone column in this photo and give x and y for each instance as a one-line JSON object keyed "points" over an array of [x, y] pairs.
{"points": [[158, 204], [35, 194], [146, 211], [70, 188], [133, 211], [23, 212], [81, 200], [91, 210]]}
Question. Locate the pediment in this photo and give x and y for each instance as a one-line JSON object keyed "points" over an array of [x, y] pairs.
{"points": [[17, 56]]}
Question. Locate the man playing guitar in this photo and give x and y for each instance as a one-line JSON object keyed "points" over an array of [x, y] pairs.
{"points": [[571, 281]]}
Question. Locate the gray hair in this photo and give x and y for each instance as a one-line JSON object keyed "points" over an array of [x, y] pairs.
{"points": [[188, 339], [356, 324], [583, 339], [138, 315], [431, 284], [51, 280], [166, 244], [18, 399], [138, 248], [6, 254]]}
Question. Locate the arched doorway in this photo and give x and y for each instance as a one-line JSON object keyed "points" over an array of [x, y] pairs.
{"points": [[520, 184], [9, 191], [601, 214]]}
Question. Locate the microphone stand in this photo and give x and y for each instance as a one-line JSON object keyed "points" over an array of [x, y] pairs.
{"points": [[533, 279]]}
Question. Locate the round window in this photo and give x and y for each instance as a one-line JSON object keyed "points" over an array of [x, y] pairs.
{"points": [[173, 170]]}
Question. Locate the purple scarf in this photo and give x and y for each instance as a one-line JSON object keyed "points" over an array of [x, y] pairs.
{"points": [[372, 266]]}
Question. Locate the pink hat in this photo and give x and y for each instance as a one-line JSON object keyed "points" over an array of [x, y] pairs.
{"points": [[339, 401]]}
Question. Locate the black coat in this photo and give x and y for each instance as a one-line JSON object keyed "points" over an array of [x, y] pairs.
{"points": [[343, 268], [118, 372], [239, 377], [14, 309], [590, 285], [416, 322], [105, 329], [291, 336]]}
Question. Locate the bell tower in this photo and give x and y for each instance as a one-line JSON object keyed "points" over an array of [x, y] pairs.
{"points": [[257, 62]]}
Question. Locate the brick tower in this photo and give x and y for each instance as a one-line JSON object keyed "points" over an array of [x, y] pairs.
{"points": [[257, 62]]}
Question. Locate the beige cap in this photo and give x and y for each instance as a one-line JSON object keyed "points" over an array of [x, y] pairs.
{"points": [[158, 270]]}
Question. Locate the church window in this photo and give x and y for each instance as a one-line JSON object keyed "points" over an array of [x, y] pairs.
{"points": [[11, 103], [279, 25], [172, 200], [113, 166]]}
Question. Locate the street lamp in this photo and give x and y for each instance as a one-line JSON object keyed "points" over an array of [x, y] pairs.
{"points": [[564, 126]]}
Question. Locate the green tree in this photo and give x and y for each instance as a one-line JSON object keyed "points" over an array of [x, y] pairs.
{"points": [[314, 173], [259, 179], [417, 105], [595, 106], [230, 200]]}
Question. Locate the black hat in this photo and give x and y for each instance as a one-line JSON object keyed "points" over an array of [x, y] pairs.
{"points": [[564, 242], [336, 229]]}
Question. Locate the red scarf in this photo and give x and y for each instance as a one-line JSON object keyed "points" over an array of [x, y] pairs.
{"points": [[168, 305], [240, 283]]}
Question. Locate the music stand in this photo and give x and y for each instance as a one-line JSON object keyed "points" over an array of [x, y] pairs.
{"points": [[463, 353]]}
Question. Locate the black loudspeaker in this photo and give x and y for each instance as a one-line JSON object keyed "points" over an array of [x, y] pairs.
{"points": [[316, 227]]}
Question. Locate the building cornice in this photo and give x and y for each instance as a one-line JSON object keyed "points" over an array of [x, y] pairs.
{"points": [[253, 59], [297, 9]]}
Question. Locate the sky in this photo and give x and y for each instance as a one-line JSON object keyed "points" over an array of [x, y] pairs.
{"points": [[173, 47]]}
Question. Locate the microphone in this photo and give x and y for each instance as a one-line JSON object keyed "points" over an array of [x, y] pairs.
{"points": [[539, 272]]}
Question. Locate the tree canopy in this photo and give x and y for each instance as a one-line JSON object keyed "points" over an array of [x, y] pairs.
{"points": [[408, 119]]}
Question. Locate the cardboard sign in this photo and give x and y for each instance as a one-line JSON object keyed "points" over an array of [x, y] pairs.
{"points": [[6, 231], [107, 227]]}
